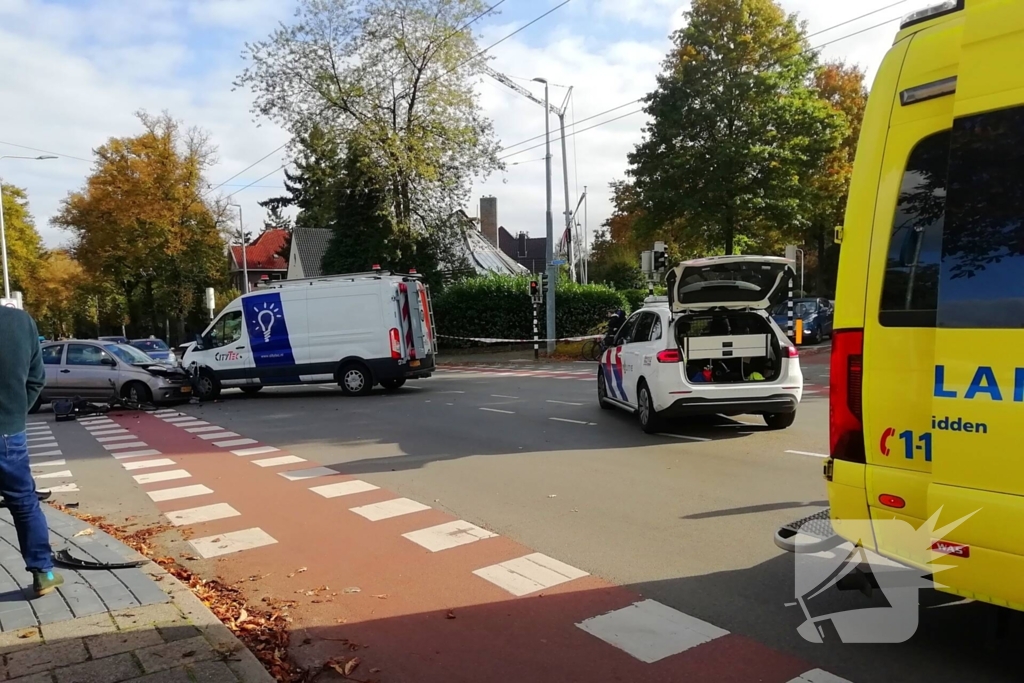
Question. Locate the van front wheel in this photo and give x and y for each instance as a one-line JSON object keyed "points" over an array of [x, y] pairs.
{"points": [[779, 420], [207, 387], [354, 380]]}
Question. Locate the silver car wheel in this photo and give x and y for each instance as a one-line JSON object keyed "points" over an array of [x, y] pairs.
{"points": [[645, 406], [205, 385], [354, 380]]}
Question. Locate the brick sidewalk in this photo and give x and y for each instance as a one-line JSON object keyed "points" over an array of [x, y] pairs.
{"points": [[124, 625]]}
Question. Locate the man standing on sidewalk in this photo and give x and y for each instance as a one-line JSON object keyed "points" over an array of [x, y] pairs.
{"points": [[22, 377]]}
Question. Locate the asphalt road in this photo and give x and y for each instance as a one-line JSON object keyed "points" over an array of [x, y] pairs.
{"points": [[685, 518]]}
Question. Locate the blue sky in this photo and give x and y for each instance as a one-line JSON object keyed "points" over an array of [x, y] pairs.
{"points": [[74, 72]]}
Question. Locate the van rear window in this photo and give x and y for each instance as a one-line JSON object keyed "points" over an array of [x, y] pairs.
{"points": [[982, 275], [910, 291]]}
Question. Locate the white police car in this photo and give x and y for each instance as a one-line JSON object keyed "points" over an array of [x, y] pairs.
{"points": [[708, 348]]}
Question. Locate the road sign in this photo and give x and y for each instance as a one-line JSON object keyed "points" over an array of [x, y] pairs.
{"points": [[559, 262], [10, 303]]}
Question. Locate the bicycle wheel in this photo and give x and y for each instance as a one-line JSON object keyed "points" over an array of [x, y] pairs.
{"points": [[591, 350]]}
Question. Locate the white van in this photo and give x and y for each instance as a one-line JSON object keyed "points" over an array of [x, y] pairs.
{"points": [[357, 330]]}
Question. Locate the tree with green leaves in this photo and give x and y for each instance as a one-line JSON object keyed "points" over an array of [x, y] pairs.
{"points": [[395, 77], [736, 128], [24, 245]]}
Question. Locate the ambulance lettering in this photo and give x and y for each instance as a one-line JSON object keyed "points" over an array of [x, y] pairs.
{"points": [[985, 384]]}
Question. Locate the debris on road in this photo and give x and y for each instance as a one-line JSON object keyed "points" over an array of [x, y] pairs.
{"points": [[85, 532]]}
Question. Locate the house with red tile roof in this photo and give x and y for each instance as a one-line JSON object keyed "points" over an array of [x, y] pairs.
{"points": [[266, 258]]}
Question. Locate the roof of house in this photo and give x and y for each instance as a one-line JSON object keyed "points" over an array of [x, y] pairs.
{"points": [[536, 247], [264, 253], [486, 258], [312, 245]]}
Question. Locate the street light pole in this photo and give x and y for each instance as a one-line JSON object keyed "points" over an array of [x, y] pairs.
{"points": [[3, 233], [549, 251], [245, 258]]}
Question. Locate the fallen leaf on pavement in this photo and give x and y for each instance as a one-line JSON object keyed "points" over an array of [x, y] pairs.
{"points": [[26, 634], [242, 616], [382, 596], [450, 615], [353, 589], [85, 532], [351, 665], [189, 557]]}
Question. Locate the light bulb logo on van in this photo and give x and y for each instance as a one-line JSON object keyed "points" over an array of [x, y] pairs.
{"points": [[266, 318]]}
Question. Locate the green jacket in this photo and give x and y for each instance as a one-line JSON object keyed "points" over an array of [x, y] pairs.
{"points": [[22, 375]]}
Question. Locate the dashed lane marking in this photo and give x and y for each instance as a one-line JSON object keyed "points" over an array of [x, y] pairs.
{"points": [[146, 464], [529, 574], [682, 436], [389, 508], [234, 442], [281, 460], [448, 535], [311, 473], [818, 676], [575, 422], [122, 446], [64, 474], [204, 513], [564, 403], [245, 452], [179, 492], [651, 631], [502, 396], [813, 455], [111, 439], [343, 488], [495, 410], [154, 477], [136, 454], [202, 430], [50, 463], [232, 542], [217, 435]]}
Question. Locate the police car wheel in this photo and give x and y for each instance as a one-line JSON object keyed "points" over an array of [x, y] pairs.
{"points": [[602, 392], [779, 420], [355, 380], [645, 409]]}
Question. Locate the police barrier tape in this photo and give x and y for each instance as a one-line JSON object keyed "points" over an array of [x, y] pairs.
{"points": [[489, 340]]}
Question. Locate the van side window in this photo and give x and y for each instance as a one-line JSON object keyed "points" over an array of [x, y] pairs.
{"points": [[982, 278], [910, 291], [226, 330]]}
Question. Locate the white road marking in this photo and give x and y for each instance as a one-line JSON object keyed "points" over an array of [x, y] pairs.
{"points": [[280, 460], [196, 423], [146, 464], [529, 574], [564, 403], [232, 542], [680, 436], [311, 473], [200, 430], [389, 508], [120, 446], [62, 488], [451, 392], [51, 463], [256, 451], [651, 631], [135, 454], [166, 413], [122, 437], [448, 535], [204, 513], [100, 424], [343, 488], [154, 477], [813, 455], [235, 442], [37, 427], [45, 453], [54, 475], [179, 419], [495, 410], [179, 492], [502, 396], [818, 676], [108, 432], [217, 435], [40, 439], [575, 422]]}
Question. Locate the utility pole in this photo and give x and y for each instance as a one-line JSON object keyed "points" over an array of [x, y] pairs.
{"points": [[565, 185], [549, 250], [245, 258]]}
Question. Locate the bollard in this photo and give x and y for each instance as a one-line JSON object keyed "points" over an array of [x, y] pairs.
{"points": [[799, 331]]}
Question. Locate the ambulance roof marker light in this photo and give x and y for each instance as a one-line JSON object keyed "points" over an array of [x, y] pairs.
{"points": [[375, 267], [932, 12]]}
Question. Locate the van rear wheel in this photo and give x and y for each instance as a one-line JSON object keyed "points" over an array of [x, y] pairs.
{"points": [[355, 380], [392, 384], [779, 420]]}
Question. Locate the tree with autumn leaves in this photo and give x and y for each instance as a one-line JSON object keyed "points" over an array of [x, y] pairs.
{"points": [[145, 229]]}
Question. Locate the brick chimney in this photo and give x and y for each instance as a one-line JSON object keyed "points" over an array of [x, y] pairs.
{"points": [[489, 219]]}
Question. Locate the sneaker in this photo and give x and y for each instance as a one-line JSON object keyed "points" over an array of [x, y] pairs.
{"points": [[45, 582]]}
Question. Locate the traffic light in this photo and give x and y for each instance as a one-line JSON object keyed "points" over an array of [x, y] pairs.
{"points": [[544, 283], [660, 257], [534, 289]]}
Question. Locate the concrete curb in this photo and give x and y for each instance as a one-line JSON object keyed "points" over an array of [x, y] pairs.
{"points": [[241, 661]]}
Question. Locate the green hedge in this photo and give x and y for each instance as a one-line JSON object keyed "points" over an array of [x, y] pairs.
{"points": [[635, 297], [499, 307]]}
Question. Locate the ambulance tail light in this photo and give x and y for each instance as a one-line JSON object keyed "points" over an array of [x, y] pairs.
{"points": [[670, 356], [845, 416], [396, 343]]}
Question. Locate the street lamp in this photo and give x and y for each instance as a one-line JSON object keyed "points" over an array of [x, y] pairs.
{"points": [[3, 235], [245, 258], [549, 252]]}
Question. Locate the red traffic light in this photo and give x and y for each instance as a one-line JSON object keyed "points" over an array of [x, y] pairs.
{"points": [[534, 287]]}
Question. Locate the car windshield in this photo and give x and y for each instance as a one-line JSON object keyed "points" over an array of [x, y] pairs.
{"points": [[129, 354], [800, 308], [149, 344]]}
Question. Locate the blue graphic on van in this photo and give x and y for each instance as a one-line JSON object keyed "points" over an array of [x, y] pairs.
{"points": [[268, 331], [984, 383]]}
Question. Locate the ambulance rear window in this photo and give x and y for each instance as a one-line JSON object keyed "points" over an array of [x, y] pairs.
{"points": [[982, 275], [910, 291]]}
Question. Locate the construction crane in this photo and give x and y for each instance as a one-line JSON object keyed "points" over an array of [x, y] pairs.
{"points": [[560, 113]]}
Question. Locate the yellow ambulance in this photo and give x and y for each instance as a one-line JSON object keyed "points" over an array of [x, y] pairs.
{"points": [[927, 368]]}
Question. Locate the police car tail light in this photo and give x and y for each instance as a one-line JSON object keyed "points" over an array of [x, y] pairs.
{"points": [[670, 356], [792, 352], [396, 343], [846, 427]]}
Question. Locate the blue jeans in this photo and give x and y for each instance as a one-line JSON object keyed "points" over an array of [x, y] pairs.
{"points": [[19, 490]]}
